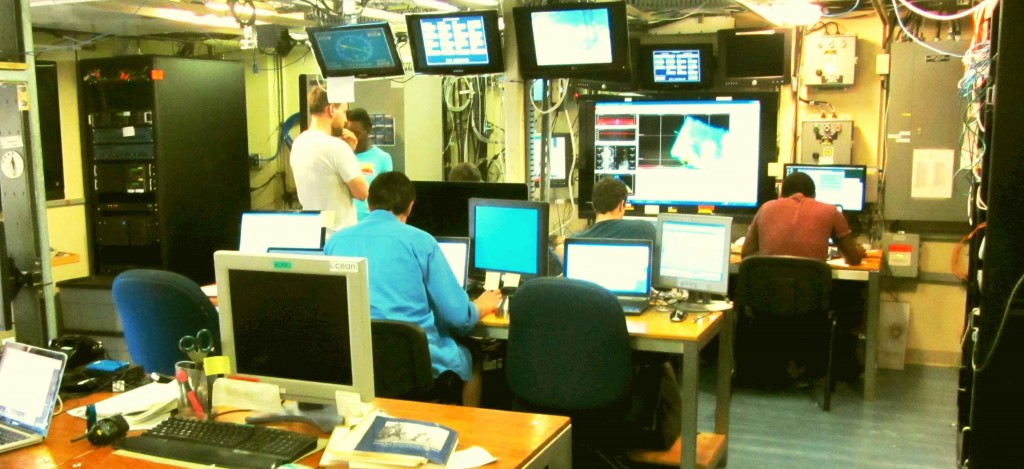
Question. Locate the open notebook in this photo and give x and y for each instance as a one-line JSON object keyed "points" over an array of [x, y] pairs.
{"points": [[30, 379]]}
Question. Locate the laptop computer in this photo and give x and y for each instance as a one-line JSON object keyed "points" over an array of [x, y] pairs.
{"points": [[456, 252], [621, 266], [30, 377]]}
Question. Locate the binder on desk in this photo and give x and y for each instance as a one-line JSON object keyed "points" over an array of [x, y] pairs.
{"points": [[381, 441]]}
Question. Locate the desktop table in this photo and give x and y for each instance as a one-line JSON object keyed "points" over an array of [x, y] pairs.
{"points": [[869, 271], [652, 331], [516, 439]]}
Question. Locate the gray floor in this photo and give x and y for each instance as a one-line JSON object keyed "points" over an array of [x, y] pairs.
{"points": [[911, 425]]}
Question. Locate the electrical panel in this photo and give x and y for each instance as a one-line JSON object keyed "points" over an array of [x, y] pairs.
{"points": [[826, 141], [829, 61], [901, 252]]}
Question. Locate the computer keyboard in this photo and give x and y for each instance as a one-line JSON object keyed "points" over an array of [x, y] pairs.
{"points": [[220, 443], [10, 436]]}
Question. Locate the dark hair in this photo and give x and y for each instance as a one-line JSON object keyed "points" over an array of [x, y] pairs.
{"points": [[359, 115], [317, 100], [798, 183], [607, 194], [467, 172], [392, 191]]}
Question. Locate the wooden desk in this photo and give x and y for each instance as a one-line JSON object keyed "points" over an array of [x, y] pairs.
{"points": [[516, 439], [869, 271], [652, 331]]}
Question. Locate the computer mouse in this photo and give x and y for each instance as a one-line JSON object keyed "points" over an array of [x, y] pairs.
{"points": [[677, 316]]}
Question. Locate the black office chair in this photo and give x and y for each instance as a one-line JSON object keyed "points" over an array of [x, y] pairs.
{"points": [[569, 354], [785, 315], [401, 365], [157, 308]]}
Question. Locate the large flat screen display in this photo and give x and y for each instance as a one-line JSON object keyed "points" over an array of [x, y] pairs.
{"points": [[572, 40]]}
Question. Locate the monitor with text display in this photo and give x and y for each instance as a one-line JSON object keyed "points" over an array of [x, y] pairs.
{"points": [[693, 254], [456, 43], [839, 185]]}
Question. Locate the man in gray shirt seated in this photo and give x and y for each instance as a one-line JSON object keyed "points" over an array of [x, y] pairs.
{"points": [[609, 200]]}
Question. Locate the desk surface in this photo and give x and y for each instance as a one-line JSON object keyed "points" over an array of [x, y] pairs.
{"points": [[651, 324], [512, 437]]}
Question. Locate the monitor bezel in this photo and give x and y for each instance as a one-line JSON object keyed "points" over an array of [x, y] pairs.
{"points": [[618, 30], [310, 213], [464, 240], [395, 69], [495, 53], [426, 211], [361, 348], [569, 242], [864, 180], [666, 281], [646, 63], [542, 210], [725, 48]]}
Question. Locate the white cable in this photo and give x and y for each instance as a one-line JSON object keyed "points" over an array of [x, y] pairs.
{"points": [[955, 16], [572, 167], [554, 106], [914, 37]]}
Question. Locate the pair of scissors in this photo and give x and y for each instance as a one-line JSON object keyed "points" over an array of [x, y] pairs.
{"points": [[198, 346]]}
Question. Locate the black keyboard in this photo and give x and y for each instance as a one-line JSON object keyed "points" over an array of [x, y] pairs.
{"points": [[220, 443]]}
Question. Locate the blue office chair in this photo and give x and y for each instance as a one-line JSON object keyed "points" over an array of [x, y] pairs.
{"points": [[785, 315], [157, 308], [569, 354]]}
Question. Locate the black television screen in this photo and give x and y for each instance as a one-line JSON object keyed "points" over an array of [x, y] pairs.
{"points": [[681, 152], [753, 58], [364, 50], [456, 43], [572, 40], [676, 66], [442, 208]]}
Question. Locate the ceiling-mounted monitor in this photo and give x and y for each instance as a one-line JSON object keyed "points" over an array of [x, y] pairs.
{"points": [[456, 43], [365, 50], [752, 59], [670, 67], [572, 40]]}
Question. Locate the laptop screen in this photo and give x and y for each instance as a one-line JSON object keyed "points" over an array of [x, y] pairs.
{"points": [[30, 379], [285, 229], [621, 266], [456, 252]]}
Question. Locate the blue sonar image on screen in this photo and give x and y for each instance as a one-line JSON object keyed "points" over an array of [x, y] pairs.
{"points": [[505, 239], [677, 66], [355, 49], [457, 40], [698, 143], [571, 37]]}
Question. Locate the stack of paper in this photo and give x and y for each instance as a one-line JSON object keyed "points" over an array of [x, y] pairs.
{"points": [[142, 407]]}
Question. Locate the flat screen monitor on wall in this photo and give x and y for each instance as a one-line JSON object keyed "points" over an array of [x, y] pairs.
{"points": [[456, 43], [682, 152], [839, 185], [364, 50], [676, 66], [572, 40], [755, 58]]}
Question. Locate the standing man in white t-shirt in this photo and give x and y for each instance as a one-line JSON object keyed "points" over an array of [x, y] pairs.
{"points": [[327, 174]]}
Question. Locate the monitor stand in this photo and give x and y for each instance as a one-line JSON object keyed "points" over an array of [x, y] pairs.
{"points": [[701, 301], [323, 416]]}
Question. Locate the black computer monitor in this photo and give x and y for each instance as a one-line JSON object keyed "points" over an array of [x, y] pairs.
{"points": [[363, 50], [509, 236], [300, 322], [693, 254], [456, 43], [442, 208], [572, 40], [674, 67], [839, 185], [262, 230], [755, 58], [456, 252]]}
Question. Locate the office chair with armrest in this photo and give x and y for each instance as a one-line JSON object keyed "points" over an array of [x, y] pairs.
{"points": [[401, 365], [785, 315], [157, 308], [569, 354]]}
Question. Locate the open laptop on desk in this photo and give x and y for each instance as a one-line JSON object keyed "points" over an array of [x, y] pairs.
{"points": [[621, 266], [456, 252], [30, 379]]}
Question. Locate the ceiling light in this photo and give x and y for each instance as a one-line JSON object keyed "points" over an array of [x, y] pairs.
{"points": [[385, 15], [486, 3], [785, 12], [242, 10], [437, 5]]}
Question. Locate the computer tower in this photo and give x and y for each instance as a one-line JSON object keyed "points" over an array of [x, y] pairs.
{"points": [[165, 148]]}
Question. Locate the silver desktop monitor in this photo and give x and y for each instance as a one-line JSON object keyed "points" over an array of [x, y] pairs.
{"points": [[300, 322], [693, 254]]}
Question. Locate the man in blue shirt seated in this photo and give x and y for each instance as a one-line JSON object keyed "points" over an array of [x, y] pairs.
{"points": [[609, 200], [411, 281]]}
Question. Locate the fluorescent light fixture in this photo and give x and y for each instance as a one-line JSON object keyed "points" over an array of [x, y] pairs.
{"points": [[486, 3], [385, 15], [186, 16], [785, 12], [241, 9], [437, 5]]}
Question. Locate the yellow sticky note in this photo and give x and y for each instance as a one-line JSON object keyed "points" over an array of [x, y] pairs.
{"points": [[217, 365]]}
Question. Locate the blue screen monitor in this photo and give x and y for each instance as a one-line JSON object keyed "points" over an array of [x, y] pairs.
{"points": [[839, 185], [572, 40], [364, 50], [509, 235], [456, 43], [623, 267], [676, 66], [693, 254]]}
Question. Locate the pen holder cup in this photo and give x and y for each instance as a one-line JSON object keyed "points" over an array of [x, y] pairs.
{"points": [[193, 390]]}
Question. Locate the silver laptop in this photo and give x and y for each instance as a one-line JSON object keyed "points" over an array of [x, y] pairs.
{"points": [[29, 382], [621, 266]]}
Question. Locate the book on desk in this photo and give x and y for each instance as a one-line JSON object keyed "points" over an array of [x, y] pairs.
{"points": [[382, 441]]}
